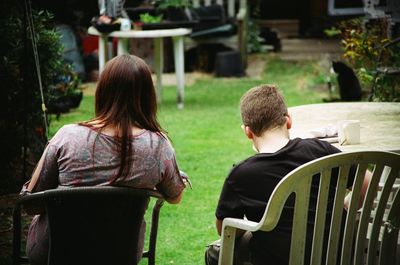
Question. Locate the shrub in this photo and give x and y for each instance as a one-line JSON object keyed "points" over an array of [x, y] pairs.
{"points": [[362, 41], [22, 124]]}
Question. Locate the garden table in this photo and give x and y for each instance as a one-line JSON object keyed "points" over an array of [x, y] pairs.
{"points": [[123, 37], [379, 123], [379, 126]]}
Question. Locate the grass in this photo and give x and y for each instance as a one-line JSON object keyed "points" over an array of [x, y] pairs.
{"points": [[208, 140]]}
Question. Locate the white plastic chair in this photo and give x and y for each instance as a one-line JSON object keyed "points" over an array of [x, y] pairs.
{"points": [[359, 246]]}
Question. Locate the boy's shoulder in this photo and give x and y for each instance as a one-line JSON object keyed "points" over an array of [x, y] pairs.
{"points": [[316, 143], [295, 147], [244, 165]]}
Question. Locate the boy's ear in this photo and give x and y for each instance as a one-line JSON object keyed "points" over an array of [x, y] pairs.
{"points": [[247, 131], [288, 121]]}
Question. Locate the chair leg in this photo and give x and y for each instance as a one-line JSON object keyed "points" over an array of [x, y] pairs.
{"points": [[158, 65], [227, 245], [16, 235], [151, 253], [179, 69]]}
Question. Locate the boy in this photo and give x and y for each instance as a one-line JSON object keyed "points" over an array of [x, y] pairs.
{"points": [[266, 122]]}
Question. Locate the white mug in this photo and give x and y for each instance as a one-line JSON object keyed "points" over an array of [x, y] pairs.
{"points": [[125, 24], [349, 132]]}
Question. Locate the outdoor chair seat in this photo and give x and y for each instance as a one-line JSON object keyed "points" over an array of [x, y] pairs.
{"points": [[370, 234], [91, 225]]}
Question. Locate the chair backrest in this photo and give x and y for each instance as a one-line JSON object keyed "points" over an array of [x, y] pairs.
{"points": [[228, 29], [384, 166], [230, 5], [95, 225]]}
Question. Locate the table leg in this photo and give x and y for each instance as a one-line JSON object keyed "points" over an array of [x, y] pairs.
{"points": [[103, 50], [123, 46], [179, 69], [158, 66]]}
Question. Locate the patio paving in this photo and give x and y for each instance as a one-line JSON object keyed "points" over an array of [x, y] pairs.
{"points": [[310, 49]]}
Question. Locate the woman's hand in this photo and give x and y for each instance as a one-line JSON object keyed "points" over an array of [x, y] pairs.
{"points": [[185, 179]]}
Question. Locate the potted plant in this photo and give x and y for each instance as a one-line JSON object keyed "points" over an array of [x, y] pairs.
{"points": [[147, 18]]}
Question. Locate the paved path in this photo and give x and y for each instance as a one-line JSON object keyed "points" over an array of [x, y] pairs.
{"points": [[310, 49]]}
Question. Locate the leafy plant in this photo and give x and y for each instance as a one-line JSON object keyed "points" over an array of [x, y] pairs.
{"points": [[22, 124], [332, 32], [147, 18], [65, 93], [362, 41], [254, 42]]}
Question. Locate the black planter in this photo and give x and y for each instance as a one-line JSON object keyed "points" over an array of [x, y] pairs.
{"points": [[176, 14]]}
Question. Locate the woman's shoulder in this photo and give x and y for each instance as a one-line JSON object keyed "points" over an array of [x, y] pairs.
{"points": [[157, 136], [316, 145], [158, 141], [72, 129], [68, 131]]}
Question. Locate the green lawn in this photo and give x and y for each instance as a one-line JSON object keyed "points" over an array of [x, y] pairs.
{"points": [[208, 140]]}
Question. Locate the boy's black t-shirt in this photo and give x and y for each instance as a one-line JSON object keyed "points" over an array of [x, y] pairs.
{"points": [[250, 184]]}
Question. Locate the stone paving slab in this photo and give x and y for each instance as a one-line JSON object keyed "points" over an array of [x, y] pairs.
{"points": [[310, 49]]}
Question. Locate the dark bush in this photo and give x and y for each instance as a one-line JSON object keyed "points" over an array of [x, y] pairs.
{"points": [[22, 126]]}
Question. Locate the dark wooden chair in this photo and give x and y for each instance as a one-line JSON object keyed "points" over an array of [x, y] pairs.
{"points": [[91, 225]]}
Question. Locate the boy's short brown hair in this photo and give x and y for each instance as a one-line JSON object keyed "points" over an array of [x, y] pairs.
{"points": [[263, 108]]}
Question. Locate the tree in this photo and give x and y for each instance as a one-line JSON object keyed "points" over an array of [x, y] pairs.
{"points": [[22, 126]]}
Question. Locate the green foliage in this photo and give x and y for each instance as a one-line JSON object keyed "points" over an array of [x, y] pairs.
{"points": [[362, 41], [22, 122], [254, 44], [332, 32], [66, 83], [147, 18]]}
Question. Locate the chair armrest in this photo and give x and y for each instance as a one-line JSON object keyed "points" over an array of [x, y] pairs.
{"points": [[240, 224], [229, 226], [32, 203]]}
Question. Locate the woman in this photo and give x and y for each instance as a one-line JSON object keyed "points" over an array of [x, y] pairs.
{"points": [[123, 145]]}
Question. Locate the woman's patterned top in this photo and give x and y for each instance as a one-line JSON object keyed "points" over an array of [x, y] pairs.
{"points": [[80, 156]]}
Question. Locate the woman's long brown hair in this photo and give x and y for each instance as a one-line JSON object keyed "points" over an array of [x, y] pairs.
{"points": [[125, 96]]}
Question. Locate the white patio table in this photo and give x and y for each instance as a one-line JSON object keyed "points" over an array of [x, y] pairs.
{"points": [[177, 35], [379, 122]]}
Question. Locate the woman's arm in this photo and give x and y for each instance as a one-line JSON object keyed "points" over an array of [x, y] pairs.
{"points": [[364, 188], [36, 173], [175, 200], [172, 179], [45, 175]]}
